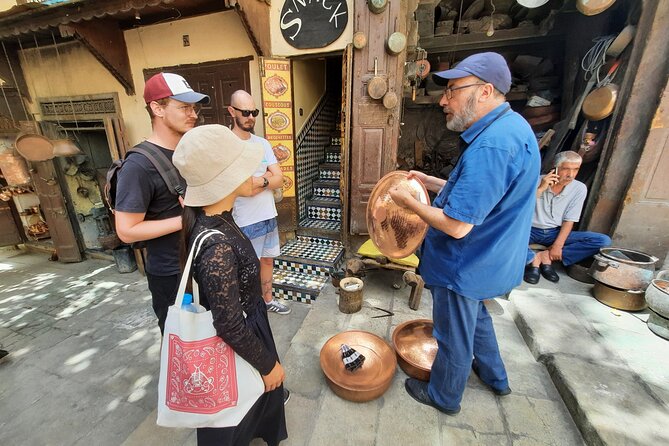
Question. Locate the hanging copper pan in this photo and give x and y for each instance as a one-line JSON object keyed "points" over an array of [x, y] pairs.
{"points": [[600, 102], [396, 231], [34, 147], [377, 86]]}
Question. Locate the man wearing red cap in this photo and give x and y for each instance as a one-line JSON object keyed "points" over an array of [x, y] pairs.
{"points": [[147, 209]]}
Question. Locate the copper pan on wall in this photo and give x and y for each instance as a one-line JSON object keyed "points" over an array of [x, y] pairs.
{"points": [[397, 232]]}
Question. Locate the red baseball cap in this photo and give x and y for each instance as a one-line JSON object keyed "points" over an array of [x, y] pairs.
{"points": [[170, 85]]}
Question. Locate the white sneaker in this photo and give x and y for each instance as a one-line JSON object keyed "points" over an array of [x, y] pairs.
{"points": [[277, 307]]}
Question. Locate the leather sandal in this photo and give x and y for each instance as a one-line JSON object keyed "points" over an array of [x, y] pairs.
{"points": [[532, 274], [549, 273]]}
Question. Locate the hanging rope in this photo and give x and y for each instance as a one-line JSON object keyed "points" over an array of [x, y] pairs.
{"points": [[11, 115], [41, 64], [16, 84], [595, 58], [60, 63]]}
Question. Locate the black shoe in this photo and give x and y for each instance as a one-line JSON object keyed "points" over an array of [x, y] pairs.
{"points": [[498, 392], [418, 391], [286, 396], [3, 353], [532, 274], [549, 273]]}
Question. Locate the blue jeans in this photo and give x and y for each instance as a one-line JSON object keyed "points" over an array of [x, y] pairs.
{"points": [[463, 329], [578, 246]]}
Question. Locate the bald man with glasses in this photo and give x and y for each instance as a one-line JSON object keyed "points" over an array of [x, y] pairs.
{"points": [[256, 215]]}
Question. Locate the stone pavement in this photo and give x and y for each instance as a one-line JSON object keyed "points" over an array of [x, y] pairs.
{"points": [[84, 364], [610, 369]]}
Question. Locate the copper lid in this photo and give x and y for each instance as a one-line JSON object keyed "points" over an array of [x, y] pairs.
{"points": [[395, 231]]}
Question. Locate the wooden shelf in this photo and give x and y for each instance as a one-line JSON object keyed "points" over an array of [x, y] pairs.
{"points": [[477, 41]]}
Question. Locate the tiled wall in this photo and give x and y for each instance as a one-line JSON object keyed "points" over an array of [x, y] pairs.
{"points": [[310, 145]]}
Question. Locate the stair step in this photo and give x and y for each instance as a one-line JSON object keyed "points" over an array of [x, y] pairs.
{"points": [[326, 188], [324, 209], [296, 285], [329, 171], [332, 157], [312, 255]]}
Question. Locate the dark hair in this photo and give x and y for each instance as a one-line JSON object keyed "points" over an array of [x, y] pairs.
{"points": [[188, 220]]}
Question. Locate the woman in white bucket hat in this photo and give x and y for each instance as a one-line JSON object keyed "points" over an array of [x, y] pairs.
{"points": [[217, 167]]}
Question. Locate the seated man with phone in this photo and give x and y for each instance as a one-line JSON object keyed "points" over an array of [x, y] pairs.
{"points": [[560, 200]]}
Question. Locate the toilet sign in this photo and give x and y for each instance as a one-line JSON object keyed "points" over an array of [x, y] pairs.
{"points": [[313, 23]]}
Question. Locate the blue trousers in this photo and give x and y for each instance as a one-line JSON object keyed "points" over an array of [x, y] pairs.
{"points": [[463, 329], [578, 246]]}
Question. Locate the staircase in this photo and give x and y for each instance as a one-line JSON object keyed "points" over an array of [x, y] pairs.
{"points": [[305, 263]]}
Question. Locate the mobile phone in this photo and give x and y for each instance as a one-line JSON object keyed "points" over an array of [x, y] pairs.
{"points": [[555, 171]]}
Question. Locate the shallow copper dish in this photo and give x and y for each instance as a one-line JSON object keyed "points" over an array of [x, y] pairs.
{"points": [[415, 347], [397, 232], [34, 147], [368, 382]]}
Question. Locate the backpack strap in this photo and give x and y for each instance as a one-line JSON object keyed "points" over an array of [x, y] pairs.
{"points": [[164, 166]]}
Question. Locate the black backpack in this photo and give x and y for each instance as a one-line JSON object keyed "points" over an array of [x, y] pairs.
{"points": [[163, 164]]}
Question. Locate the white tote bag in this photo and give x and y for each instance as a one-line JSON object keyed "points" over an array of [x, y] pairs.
{"points": [[203, 382]]}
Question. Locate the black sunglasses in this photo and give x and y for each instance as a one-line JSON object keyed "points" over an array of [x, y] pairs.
{"points": [[247, 113]]}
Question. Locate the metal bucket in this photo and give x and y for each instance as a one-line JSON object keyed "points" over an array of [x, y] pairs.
{"points": [[125, 259], [624, 269], [631, 300]]}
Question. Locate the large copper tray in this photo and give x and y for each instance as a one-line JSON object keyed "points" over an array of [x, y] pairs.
{"points": [[415, 347], [397, 232], [368, 382]]}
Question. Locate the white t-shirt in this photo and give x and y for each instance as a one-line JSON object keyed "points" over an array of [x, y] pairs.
{"points": [[249, 210]]}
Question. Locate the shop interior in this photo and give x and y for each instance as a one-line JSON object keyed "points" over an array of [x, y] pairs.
{"points": [[553, 50]]}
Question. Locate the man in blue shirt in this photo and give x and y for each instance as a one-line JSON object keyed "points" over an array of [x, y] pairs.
{"points": [[476, 246]]}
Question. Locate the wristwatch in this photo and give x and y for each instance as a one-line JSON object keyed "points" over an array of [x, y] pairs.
{"points": [[265, 182]]}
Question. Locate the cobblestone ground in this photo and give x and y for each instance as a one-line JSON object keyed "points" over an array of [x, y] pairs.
{"points": [[84, 364]]}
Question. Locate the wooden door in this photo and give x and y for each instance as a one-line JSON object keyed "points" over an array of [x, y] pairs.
{"points": [[9, 233], [644, 215], [217, 79], [374, 128], [52, 202]]}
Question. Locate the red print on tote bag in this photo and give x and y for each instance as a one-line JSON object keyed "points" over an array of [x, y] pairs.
{"points": [[201, 375]]}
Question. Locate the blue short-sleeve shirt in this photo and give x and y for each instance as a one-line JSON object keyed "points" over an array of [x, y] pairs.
{"points": [[492, 187]]}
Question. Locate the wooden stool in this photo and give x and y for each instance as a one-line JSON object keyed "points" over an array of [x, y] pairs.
{"points": [[358, 266]]}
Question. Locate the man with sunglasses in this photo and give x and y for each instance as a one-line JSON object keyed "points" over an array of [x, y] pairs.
{"points": [[146, 210], [479, 222], [256, 215]]}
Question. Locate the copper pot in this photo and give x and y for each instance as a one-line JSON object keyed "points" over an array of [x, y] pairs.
{"points": [[657, 294], [368, 382], [624, 269], [620, 299], [416, 348]]}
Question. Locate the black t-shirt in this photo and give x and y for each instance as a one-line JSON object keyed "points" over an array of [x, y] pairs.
{"points": [[141, 189]]}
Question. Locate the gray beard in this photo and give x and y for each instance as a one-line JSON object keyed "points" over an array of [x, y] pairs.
{"points": [[461, 122]]}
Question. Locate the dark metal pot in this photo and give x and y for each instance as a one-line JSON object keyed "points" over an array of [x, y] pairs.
{"points": [[657, 294], [632, 300], [658, 324], [624, 269]]}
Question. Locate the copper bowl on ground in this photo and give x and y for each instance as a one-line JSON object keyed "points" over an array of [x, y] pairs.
{"points": [[368, 382], [416, 348]]}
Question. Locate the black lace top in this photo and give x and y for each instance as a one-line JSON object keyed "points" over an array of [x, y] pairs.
{"points": [[228, 274]]}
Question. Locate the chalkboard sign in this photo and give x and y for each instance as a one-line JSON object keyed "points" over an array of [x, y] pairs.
{"points": [[313, 23]]}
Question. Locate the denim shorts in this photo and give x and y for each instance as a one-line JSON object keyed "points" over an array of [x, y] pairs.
{"points": [[264, 237]]}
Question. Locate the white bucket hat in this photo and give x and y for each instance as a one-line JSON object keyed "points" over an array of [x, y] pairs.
{"points": [[214, 162]]}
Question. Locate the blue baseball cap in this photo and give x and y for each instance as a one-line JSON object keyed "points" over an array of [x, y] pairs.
{"points": [[490, 67]]}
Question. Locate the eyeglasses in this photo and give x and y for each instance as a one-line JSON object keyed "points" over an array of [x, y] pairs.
{"points": [[449, 91], [190, 108], [247, 113]]}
